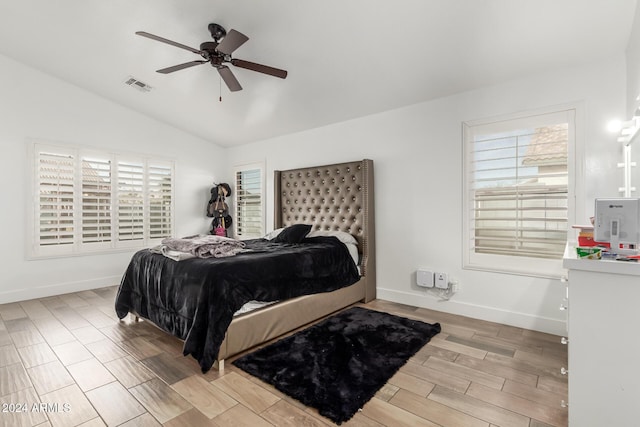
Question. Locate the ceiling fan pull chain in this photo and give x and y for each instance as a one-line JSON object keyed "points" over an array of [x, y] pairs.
{"points": [[220, 87]]}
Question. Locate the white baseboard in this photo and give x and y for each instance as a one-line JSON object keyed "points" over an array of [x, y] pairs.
{"points": [[492, 314], [57, 289]]}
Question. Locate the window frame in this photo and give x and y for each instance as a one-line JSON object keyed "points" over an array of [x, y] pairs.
{"points": [[81, 244], [520, 265], [237, 221]]}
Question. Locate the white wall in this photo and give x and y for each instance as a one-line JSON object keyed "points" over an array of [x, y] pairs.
{"points": [[633, 67], [417, 153], [633, 93], [36, 106]]}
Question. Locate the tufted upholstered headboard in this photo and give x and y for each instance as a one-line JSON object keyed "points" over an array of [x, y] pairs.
{"points": [[331, 197]]}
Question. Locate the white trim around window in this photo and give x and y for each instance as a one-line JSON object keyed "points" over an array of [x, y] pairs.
{"points": [[89, 200], [519, 191], [249, 181]]}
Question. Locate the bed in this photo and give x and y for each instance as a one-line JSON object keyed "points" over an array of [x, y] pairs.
{"points": [[329, 198]]}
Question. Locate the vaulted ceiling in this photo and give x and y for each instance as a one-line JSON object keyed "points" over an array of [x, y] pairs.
{"points": [[345, 58]]}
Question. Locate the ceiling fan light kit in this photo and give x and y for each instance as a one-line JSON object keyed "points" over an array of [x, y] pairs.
{"points": [[218, 54]]}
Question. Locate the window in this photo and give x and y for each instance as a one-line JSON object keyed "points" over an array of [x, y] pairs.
{"points": [[91, 201], [249, 211], [518, 193]]}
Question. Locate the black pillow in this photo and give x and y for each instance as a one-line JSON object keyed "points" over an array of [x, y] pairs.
{"points": [[293, 234]]}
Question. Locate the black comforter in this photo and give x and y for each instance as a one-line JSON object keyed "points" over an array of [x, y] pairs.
{"points": [[195, 299]]}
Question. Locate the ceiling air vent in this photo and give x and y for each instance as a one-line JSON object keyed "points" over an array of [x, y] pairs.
{"points": [[141, 86]]}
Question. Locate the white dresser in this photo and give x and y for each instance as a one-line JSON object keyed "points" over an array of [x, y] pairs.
{"points": [[604, 342]]}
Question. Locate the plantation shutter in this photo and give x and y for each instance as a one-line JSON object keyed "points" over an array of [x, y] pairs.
{"points": [[88, 200], [518, 188], [160, 178], [249, 217], [96, 200], [56, 185], [130, 200]]}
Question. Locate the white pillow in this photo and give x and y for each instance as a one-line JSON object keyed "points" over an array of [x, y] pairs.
{"points": [[272, 234]]}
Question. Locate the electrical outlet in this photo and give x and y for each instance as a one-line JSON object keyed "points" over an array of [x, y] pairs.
{"points": [[442, 280], [455, 286]]}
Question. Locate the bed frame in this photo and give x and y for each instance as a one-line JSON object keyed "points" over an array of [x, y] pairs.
{"points": [[330, 197]]}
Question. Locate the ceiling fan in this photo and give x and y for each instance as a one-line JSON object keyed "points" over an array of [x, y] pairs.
{"points": [[218, 54]]}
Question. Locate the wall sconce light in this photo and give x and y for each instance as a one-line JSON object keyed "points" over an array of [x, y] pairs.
{"points": [[627, 132], [614, 126]]}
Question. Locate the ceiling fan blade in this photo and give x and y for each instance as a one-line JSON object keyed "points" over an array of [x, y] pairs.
{"points": [[180, 67], [229, 78], [167, 41], [233, 40], [276, 72]]}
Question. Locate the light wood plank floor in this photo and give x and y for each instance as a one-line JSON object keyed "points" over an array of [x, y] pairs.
{"points": [[67, 361]]}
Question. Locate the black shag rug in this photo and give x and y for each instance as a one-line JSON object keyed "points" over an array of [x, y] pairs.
{"points": [[337, 365]]}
